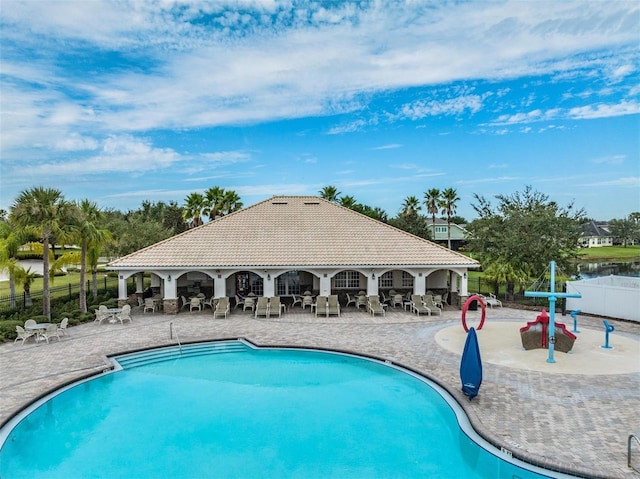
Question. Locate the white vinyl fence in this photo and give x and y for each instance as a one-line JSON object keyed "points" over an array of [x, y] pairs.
{"points": [[612, 296]]}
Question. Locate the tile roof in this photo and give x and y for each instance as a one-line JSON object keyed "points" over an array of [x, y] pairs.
{"points": [[293, 231]]}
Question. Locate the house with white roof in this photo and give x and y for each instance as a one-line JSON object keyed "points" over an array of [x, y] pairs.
{"points": [[596, 234], [285, 245]]}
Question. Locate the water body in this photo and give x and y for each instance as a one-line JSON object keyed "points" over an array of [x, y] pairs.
{"points": [[595, 270]]}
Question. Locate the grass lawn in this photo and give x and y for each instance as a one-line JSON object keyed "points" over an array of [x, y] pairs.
{"points": [[610, 253]]}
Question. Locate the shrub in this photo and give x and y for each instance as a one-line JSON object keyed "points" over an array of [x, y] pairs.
{"points": [[8, 329]]}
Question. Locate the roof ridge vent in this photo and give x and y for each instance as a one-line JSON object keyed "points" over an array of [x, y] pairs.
{"points": [[279, 202], [311, 202]]}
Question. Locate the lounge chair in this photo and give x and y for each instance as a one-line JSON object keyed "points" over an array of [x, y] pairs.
{"points": [[124, 315], [418, 306], [50, 332], [262, 307], [23, 334], [222, 307], [430, 304], [374, 306], [333, 306], [322, 307], [491, 300], [275, 306]]}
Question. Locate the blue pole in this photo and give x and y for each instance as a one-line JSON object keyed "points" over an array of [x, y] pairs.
{"points": [[574, 314], [552, 314]]}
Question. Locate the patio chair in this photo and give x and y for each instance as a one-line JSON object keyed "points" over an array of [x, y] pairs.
{"points": [[322, 306], [222, 307], [397, 300], [262, 307], [418, 306], [211, 302], [333, 305], [297, 299], [307, 300], [62, 327], [124, 315], [150, 304], [185, 303], [23, 334], [29, 323], [374, 306], [50, 332], [351, 300], [445, 298], [429, 302], [275, 306], [362, 301], [101, 314], [239, 301], [384, 299], [195, 304], [249, 303]]}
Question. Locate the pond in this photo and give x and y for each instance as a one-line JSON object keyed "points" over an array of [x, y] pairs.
{"points": [[594, 270]]}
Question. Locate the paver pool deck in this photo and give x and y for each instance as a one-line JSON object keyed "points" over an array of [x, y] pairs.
{"points": [[574, 415]]}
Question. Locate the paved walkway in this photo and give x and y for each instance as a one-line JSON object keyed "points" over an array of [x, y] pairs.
{"points": [[570, 419]]}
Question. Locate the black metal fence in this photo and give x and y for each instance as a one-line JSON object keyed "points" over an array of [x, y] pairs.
{"points": [[70, 291], [478, 285]]}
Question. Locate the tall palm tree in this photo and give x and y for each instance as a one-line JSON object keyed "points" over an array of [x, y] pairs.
{"points": [[448, 205], [214, 202], [43, 211], [330, 193], [231, 202], [89, 232], [432, 202], [410, 206], [193, 209]]}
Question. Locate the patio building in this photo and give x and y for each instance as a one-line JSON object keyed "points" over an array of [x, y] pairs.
{"points": [[286, 245]]}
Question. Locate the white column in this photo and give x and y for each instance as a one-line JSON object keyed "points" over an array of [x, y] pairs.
{"points": [[325, 285], [453, 281], [219, 286], [139, 283], [420, 284], [372, 285], [170, 287], [268, 284], [464, 291], [122, 287]]}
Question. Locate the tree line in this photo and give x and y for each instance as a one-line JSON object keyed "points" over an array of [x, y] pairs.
{"points": [[514, 240]]}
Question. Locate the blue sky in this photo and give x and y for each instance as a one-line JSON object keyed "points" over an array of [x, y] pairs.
{"points": [[126, 101]]}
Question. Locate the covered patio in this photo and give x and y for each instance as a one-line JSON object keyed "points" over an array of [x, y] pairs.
{"points": [[286, 245]]}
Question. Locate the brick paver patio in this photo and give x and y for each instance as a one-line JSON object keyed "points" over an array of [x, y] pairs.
{"points": [[572, 422]]}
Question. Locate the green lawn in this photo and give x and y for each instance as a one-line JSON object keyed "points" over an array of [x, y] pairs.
{"points": [[611, 253]]}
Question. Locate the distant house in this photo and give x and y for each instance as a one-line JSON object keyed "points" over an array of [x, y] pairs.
{"points": [[458, 234], [596, 234]]}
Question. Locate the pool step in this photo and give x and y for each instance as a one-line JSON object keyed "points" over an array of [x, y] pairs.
{"points": [[175, 352]]}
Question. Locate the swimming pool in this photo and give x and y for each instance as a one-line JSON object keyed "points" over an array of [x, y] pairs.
{"points": [[248, 412]]}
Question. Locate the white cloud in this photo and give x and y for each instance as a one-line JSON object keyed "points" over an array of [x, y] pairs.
{"points": [[609, 160], [624, 182], [391, 146], [603, 110]]}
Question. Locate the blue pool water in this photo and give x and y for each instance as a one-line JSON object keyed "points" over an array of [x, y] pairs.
{"points": [[249, 414]]}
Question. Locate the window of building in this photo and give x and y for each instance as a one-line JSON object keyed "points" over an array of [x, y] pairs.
{"points": [[407, 280], [441, 229], [386, 280], [346, 279]]}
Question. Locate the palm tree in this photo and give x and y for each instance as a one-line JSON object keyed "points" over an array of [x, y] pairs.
{"points": [[10, 241], [89, 232], [231, 202], [432, 202], [330, 193], [214, 202], [348, 202], [26, 277], [410, 206], [43, 211], [448, 205], [193, 209]]}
